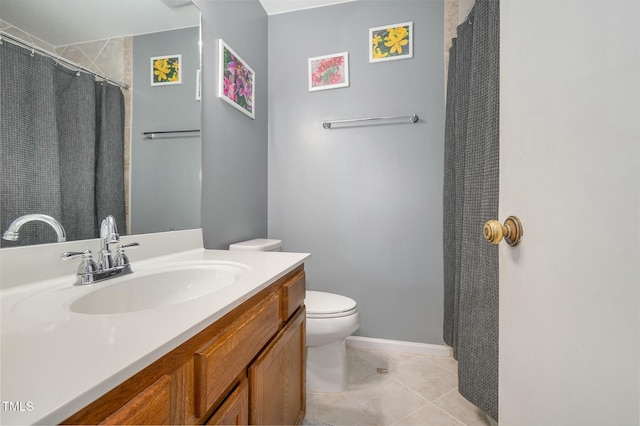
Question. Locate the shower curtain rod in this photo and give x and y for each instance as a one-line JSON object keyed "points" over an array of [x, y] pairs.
{"points": [[25, 44]]}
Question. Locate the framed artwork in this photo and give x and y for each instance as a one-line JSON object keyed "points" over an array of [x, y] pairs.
{"points": [[236, 84], [329, 71], [166, 70], [391, 42]]}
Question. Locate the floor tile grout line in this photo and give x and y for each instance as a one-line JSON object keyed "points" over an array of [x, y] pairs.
{"points": [[372, 421], [449, 414], [362, 378], [446, 393], [410, 389], [395, 380], [442, 396], [355, 404], [462, 423], [432, 402], [427, 402], [418, 394], [443, 368]]}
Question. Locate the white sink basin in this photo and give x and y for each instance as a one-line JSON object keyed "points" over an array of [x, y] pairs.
{"points": [[141, 291]]}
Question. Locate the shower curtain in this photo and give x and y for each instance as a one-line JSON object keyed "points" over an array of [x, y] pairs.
{"points": [[61, 147], [470, 199]]}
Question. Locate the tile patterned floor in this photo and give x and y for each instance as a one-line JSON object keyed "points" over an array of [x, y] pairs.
{"points": [[415, 390]]}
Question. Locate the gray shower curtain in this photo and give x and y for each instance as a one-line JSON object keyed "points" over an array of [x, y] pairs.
{"points": [[61, 147], [470, 199]]}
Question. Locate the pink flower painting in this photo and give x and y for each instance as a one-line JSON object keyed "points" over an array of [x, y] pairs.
{"points": [[237, 81]]}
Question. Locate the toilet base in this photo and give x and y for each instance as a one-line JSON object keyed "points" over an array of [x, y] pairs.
{"points": [[327, 368]]}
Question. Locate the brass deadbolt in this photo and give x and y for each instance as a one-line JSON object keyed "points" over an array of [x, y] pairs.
{"points": [[511, 231]]}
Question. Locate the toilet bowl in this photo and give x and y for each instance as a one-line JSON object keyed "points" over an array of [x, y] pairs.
{"points": [[330, 319]]}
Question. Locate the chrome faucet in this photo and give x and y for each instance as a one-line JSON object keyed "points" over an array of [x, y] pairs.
{"points": [[108, 235], [89, 271], [12, 234]]}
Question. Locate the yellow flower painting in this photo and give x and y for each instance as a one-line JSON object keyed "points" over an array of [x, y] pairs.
{"points": [[391, 42], [166, 70]]}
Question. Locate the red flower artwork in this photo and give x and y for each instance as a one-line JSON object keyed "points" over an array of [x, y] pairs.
{"points": [[328, 71]]}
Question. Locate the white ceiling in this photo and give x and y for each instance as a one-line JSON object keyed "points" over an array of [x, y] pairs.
{"points": [[89, 20], [273, 7]]}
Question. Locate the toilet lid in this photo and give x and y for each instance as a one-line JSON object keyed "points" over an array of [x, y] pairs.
{"points": [[319, 303]]}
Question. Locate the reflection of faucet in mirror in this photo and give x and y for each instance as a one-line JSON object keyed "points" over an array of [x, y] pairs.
{"points": [[12, 234]]}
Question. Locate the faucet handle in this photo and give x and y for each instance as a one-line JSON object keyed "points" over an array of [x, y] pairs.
{"points": [[129, 245], [122, 260], [73, 254], [87, 267]]}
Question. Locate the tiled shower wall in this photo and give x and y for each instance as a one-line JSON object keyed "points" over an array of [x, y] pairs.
{"points": [[112, 58], [455, 12]]}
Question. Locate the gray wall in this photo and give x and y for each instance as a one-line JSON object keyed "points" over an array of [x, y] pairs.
{"points": [[365, 201], [165, 172], [234, 147]]}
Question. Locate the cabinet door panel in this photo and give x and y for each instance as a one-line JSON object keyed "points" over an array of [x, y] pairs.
{"points": [[277, 378], [235, 410]]}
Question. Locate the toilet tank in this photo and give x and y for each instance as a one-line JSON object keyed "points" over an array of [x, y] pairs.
{"points": [[259, 244]]}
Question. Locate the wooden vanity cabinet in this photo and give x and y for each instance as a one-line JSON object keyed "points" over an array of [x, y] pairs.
{"points": [[246, 368]]}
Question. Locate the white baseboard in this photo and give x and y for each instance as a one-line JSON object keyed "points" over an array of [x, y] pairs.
{"points": [[398, 346]]}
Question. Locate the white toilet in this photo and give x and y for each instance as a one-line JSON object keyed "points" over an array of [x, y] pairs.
{"points": [[331, 318]]}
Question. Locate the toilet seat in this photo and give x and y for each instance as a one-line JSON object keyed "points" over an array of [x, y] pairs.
{"points": [[328, 305]]}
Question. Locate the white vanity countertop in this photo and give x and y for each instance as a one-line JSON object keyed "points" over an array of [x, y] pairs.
{"points": [[54, 361]]}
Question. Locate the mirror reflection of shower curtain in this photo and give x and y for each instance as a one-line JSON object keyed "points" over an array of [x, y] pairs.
{"points": [[470, 199], [59, 132]]}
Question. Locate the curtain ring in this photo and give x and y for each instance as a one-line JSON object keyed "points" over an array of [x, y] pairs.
{"points": [[33, 52], [78, 73]]}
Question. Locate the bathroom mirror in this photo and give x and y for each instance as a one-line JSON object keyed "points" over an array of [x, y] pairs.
{"points": [[119, 39]]}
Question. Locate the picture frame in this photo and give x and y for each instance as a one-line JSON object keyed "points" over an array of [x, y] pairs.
{"points": [[329, 71], [236, 81], [166, 70], [391, 42]]}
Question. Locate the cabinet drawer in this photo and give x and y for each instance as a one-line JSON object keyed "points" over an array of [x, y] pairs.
{"points": [[152, 406], [219, 365], [293, 293]]}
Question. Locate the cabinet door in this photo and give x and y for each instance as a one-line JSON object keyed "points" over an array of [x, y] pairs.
{"points": [[277, 378], [235, 410]]}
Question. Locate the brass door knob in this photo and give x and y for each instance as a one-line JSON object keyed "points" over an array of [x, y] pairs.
{"points": [[511, 231]]}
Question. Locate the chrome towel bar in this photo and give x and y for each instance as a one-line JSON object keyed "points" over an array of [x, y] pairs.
{"points": [[152, 135], [413, 118]]}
